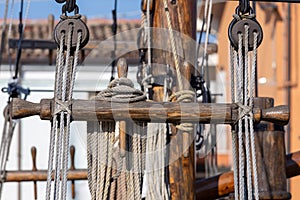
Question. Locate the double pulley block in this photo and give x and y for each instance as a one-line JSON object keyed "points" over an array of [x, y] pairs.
{"points": [[237, 26], [71, 23]]}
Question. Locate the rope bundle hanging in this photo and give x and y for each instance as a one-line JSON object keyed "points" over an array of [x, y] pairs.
{"points": [[112, 169], [71, 34], [245, 35]]}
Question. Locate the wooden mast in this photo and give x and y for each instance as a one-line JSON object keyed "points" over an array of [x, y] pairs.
{"points": [[183, 17]]}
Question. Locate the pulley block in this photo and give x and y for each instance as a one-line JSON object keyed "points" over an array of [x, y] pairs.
{"points": [[75, 25], [237, 26]]}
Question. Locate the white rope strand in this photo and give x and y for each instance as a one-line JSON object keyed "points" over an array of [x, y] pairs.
{"points": [[240, 125], [252, 136], [246, 124]]}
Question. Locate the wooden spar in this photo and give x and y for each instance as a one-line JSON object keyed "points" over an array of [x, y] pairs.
{"points": [[211, 188], [172, 112], [222, 185], [41, 175]]}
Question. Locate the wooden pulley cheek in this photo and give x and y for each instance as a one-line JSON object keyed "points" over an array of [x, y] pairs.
{"points": [[74, 24], [237, 27]]}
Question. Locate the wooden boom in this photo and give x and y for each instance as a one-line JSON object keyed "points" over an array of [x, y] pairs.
{"points": [[172, 112]]}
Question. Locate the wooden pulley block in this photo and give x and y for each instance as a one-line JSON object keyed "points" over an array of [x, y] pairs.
{"points": [[237, 26], [74, 24]]}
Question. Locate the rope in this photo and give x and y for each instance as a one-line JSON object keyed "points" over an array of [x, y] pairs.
{"points": [[174, 51], [242, 93], [121, 91], [247, 136], [149, 33], [233, 132], [251, 103], [60, 128], [7, 134]]}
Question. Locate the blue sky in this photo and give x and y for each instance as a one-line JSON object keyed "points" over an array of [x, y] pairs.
{"points": [[40, 9]]}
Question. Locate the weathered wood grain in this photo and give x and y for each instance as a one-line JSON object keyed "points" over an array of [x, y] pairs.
{"points": [[222, 185], [172, 112]]}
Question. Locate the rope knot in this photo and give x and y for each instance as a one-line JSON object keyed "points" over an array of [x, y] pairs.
{"points": [[121, 90]]}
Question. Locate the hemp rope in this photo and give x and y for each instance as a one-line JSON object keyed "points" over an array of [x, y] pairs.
{"points": [[129, 182], [60, 128], [233, 57], [244, 77]]}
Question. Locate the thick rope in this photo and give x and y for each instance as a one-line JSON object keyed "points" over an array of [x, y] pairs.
{"points": [[60, 130], [240, 125], [243, 95], [129, 181], [234, 134], [59, 63], [247, 136], [174, 51], [251, 103]]}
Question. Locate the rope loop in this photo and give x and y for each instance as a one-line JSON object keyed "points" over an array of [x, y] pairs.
{"points": [[121, 90], [185, 96]]}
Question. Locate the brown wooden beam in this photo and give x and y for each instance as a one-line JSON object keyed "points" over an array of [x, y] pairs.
{"points": [[211, 188], [172, 112], [41, 175], [223, 184]]}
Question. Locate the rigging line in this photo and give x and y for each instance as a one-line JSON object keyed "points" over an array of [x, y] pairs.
{"points": [[114, 31], [26, 13], [233, 64], [175, 55], [246, 124], [239, 90], [253, 84], [148, 33], [204, 19], [21, 31], [208, 25]]}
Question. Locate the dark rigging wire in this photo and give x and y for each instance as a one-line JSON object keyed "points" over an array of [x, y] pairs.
{"points": [[114, 28], [19, 53]]}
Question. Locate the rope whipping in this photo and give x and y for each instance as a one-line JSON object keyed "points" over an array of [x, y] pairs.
{"points": [[70, 40], [243, 70], [102, 149]]}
